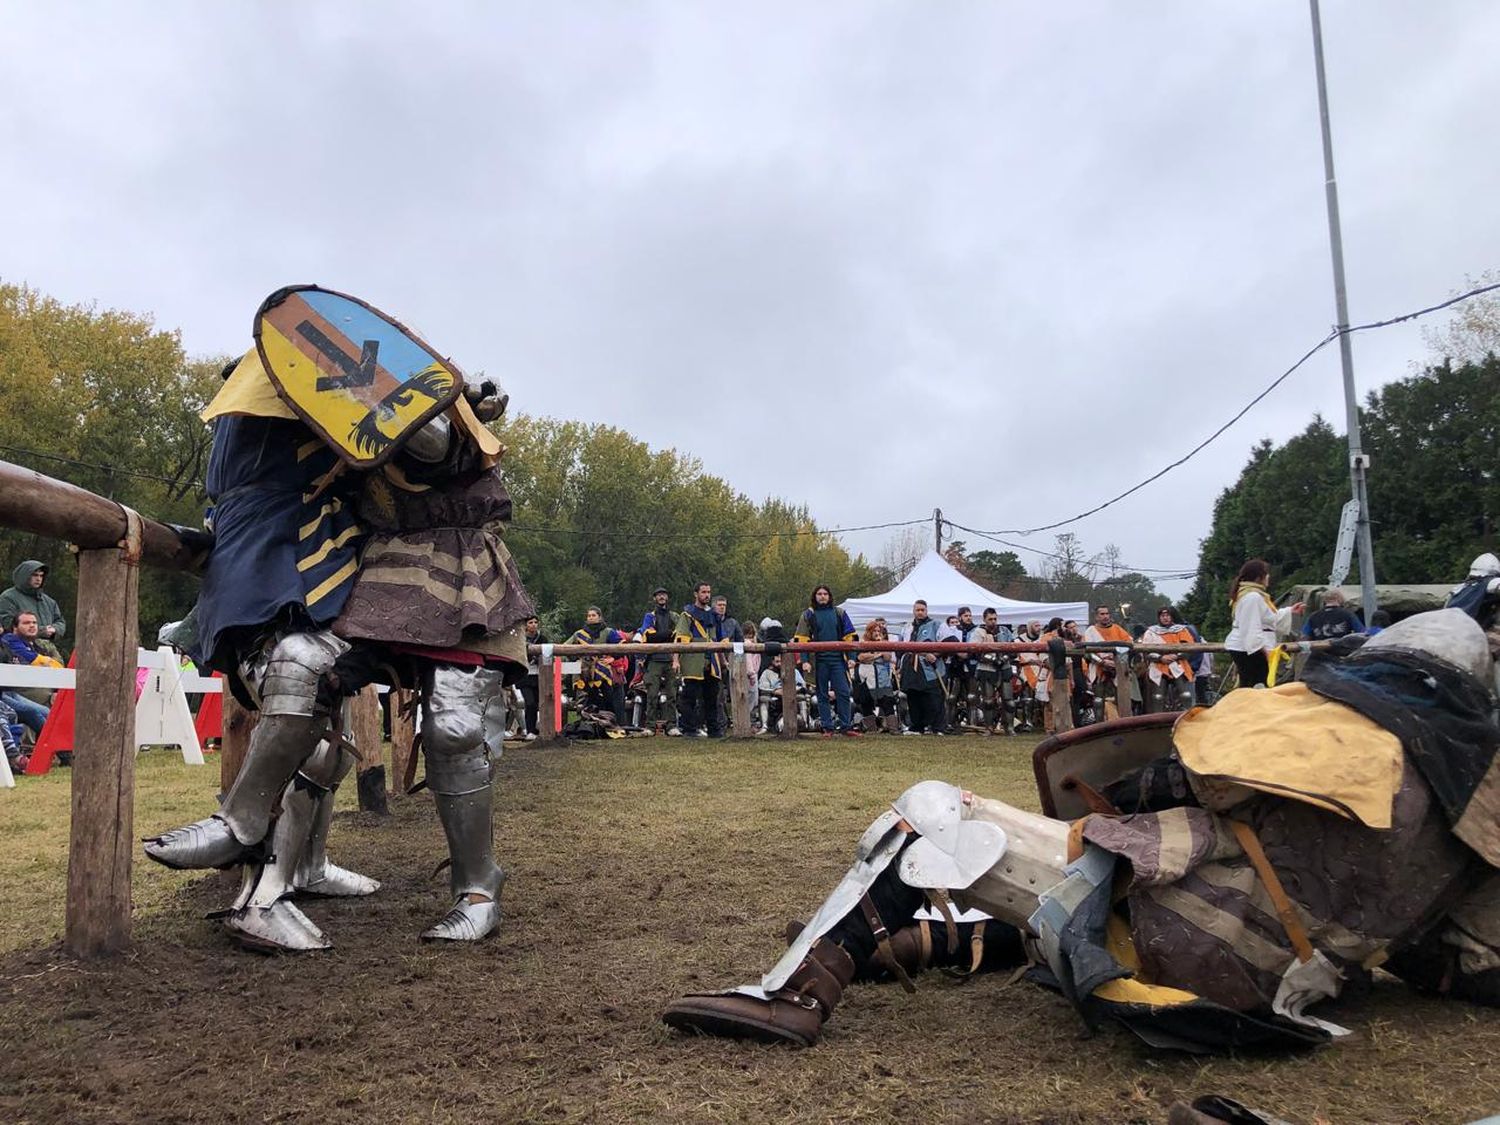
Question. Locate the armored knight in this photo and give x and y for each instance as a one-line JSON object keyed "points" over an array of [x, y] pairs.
{"points": [[1203, 884], [356, 519]]}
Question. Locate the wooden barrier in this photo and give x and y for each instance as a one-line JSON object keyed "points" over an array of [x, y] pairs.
{"points": [[739, 697], [239, 725], [546, 698], [788, 694], [403, 737], [101, 838], [365, 733]]}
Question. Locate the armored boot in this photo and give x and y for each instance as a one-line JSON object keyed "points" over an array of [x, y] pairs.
{"points": [[316, 785], [263, 917], [476, 879], [794, 1013], [278, 747], [462, 720]]}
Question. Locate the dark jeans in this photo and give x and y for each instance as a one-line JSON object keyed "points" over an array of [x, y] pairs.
{"points": [[925, 708], [530, 695], [1253, 667], [700, 703], [833, 674]]}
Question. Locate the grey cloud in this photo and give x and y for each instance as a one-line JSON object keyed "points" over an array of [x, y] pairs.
{"points": [[1003, 258]]}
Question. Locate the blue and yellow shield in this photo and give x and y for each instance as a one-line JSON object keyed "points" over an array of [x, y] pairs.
{"points": [[353, 374]]}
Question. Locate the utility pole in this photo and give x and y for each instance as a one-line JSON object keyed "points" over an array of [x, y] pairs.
{"points": [[937, 528], [1358, 463]]}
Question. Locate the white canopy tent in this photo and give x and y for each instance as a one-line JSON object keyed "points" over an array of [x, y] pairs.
{"points": [[945, 590]]}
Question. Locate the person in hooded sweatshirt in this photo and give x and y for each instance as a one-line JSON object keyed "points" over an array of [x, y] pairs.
{"points": [[27, 596]]}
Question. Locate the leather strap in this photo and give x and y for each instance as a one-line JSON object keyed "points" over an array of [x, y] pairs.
{"points": [[1096, 801], [883, 941], [1284, 909], [944, 906], [1075, 839]]}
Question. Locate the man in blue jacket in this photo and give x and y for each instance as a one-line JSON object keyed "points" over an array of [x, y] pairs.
{"points": [[823, 621]]}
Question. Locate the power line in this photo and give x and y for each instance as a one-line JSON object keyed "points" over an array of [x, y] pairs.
{"points": [[713, 536], [111, 469], [1165, 573], [1333, 335]]}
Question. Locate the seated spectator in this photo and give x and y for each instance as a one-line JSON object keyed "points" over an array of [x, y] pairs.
{"points": [[769, 687], [11, 733], [1333, 620], [31, 714], [26, 595], [25, 646], [1380, 620]]}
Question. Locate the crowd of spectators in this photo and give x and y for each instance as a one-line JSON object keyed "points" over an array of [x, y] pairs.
{"points": [[848, 694], [31, 627]]}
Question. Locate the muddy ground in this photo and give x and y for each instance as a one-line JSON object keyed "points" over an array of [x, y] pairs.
{"points": [[638, 871]]}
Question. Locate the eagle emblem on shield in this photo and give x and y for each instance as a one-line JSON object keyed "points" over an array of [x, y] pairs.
{"points": [[359, 378]]}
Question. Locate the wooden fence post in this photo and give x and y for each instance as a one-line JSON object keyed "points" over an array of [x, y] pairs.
{"points": [[1061, 700], [546, 700], [239, 724], [788, 694], [369, 775], [1124, 673], [101, 840], [403, 732], [739, 696]]}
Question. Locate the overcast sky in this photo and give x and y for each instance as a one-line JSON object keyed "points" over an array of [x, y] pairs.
{"points": [[995, 257]]}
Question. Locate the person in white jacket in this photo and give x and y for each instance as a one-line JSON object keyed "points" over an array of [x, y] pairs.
{"points": [[1257, 623]]}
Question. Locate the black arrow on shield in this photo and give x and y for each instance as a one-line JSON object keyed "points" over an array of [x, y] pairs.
{"points": [[351, 374]]}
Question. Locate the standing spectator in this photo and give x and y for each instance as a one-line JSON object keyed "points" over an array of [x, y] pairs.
{"points": [[530, 686], [659, 679], [824, 621], [702, 674], [1103, 667], [1333, 620], [26, 594], [601, 677], [752, 670], [877, 681], [1257, 621], [1171, 676], [919, 675], [731, 632]]}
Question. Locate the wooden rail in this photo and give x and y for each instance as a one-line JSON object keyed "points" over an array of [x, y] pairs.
{"points": [[112, 542]]}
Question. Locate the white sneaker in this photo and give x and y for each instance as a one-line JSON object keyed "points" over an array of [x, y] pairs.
{"points": [[673, 732], [530, 736]]}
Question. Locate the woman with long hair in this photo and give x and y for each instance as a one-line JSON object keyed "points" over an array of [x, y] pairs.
{"points": [[877, 682], [1257, 622]]}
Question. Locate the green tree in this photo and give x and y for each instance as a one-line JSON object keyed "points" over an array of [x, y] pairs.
{"points": [[1434, 492], [105, 400]]}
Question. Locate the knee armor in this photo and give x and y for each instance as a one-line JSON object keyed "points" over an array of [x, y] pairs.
{"points": [[463, 727], [291, 675]]}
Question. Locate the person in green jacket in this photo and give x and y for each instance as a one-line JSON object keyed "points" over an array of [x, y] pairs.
{"points": [[26, 596]]}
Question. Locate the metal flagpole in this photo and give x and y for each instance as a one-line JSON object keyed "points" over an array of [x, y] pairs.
{"points": [[1359, 463]]}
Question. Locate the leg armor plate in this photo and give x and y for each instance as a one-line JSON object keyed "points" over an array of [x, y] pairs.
{"points": [[289, 677], [463, 719], [316, 874]]}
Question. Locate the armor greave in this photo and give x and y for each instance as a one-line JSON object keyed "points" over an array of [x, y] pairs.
{"points": [[320, 777], [463, 724], [278, 748]]}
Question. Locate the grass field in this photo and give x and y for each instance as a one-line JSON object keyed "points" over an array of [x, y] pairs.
{"points": [[639, 870]]}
